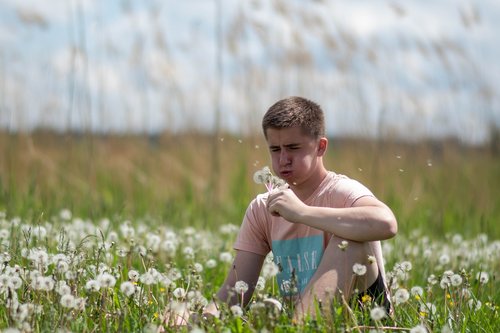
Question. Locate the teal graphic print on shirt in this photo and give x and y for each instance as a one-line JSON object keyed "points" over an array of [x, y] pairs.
{"points": [[298, 260]]}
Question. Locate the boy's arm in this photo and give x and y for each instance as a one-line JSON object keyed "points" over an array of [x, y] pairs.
{"points": [[246, 267], [367, 220]]}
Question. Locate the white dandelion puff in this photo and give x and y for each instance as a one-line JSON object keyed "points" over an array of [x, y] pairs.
{"points": [[241, 287], [401, 296], [236, 310], [127, 288], [359, 269], [377, 313]]}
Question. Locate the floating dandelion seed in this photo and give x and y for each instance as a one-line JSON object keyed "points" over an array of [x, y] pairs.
{"points": [[343, 245]]}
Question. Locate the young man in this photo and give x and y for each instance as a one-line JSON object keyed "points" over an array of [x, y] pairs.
{"points": [[307, 224]]}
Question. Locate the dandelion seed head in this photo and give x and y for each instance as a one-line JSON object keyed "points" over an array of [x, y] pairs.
{"points": [[236, 310], [418, 329], [225, 257], [377, 313], [67, 301], [401, 296], [127, 288], [92, 285], [456, 280], [359, 269], [106, 280], [482, 277], [444, 259], [211, 263], [179, 293], [241, 287], [269, 270]]}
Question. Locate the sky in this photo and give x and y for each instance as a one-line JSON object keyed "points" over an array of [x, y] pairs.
{"points": [[411, 70]]}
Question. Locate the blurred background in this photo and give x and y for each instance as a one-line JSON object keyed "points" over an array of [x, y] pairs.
{"points": [[139, 109]]}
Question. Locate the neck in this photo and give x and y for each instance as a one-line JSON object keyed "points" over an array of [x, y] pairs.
{"points": [[305, 189]]}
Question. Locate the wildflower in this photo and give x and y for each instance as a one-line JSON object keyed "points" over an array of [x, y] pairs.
{"points": [[188, 252], [133, 275], [127, 288], [106, 280], [63, 289], [273, 302], [432, 280], [65, 214], [417, 292], [153, 242], [67, 301], [444, 259], [366, 298], [241, 287], [93, 285], [269, 270], [377, 313], [359, 269], [39, 232], [456, 280], [261, 283], [446, 329], [225, 257], [401, 296], [426, 309], [179, 293], [236, 310], [211, 263], [406, 266], [482, 277], [343, 245], [14, 282], [474, 304], [419, 329], [80, 303], [147, 278]]}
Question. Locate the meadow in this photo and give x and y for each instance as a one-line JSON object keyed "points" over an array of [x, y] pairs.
{"points": [[115, 233]]}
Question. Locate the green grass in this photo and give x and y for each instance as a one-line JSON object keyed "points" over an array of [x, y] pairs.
{"points": [[444, 195]]}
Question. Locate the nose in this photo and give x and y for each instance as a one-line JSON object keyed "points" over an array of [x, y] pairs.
{"points": [[284, 157]]}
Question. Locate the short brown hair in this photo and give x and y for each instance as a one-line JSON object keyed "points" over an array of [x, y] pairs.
{"points": [[295, 111]]}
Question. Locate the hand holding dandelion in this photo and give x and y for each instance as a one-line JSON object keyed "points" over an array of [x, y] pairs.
{"points": [[281, 201]]}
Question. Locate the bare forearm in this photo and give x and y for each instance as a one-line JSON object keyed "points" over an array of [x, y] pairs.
{"points": [[367, 223]]}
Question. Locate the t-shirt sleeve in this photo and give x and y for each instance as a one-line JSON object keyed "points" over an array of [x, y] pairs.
{"points": [[252, 236], [352, 190]]}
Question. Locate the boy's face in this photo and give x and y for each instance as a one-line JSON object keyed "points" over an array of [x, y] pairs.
{"points": [[295, 156]]}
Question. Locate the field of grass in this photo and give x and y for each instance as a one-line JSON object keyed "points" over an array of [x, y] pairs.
{"points": [[113, 233]]}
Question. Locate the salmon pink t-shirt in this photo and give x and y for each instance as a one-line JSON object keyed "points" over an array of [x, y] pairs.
{"points": [[297, 248]]}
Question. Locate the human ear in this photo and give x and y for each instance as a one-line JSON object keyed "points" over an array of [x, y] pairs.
{"points": [[322, 145]]}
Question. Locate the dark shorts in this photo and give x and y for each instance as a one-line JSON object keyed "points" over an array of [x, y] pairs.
{"points": [[378, 294]]}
